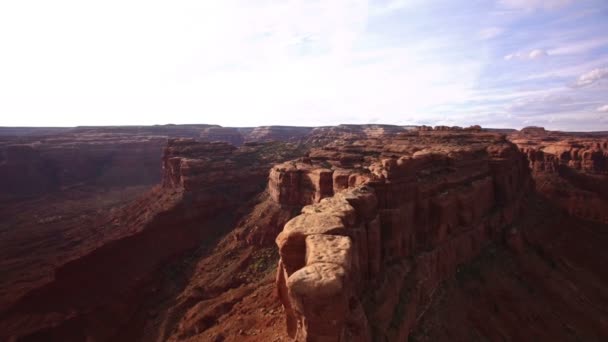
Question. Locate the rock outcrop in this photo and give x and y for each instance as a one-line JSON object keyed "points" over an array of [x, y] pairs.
{"points": [[570, 170], [364, 258]]}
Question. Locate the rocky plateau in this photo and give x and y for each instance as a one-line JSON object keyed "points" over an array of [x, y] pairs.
{"points": [[339, 233]]}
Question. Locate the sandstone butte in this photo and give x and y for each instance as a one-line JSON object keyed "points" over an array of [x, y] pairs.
{"points": [[341, 233]]}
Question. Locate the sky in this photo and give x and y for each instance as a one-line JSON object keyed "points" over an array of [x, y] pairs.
{"points": [[497, 63]]}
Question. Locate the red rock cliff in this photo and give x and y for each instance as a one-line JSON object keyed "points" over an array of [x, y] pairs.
{"points": [[362, 262], [570, 170], [93, 295]]}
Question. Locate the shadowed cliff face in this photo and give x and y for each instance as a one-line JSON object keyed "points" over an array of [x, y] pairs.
{"points": [[547, 282], [92, 294], [32, 165], [570, 170]]}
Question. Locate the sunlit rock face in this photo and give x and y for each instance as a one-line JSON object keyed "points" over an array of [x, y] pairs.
{"points": [[387, 221]]}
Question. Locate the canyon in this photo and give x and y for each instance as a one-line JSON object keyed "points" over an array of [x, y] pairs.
{"points": [[277, 233]]}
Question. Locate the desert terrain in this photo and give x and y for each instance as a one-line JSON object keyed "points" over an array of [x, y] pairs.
{"points": [[278, 233]]}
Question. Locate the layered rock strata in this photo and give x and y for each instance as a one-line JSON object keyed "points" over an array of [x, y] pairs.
{"points": [[37, 166], [323, 135], [570, 170], [230, 135], [37, 161], [277, 133], [203, 185], [364, 258]]}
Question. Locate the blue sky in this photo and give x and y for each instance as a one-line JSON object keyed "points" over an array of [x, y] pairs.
{"points": [[498, 63]]}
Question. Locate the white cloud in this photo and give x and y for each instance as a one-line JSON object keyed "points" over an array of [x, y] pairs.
{"points": [[490, 32], [579, 47], [526, 55], [603, 109], [592, 77], [569, 70], [542, 103], [537, 53], [530, 5]]}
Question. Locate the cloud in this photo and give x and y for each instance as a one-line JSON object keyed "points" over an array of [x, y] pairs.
{"points": [[527, 55], [591, 77], [490, 32], [530, 5], [569, 70], [541, 104], [603, 109], [579, 47], [537, 53]]}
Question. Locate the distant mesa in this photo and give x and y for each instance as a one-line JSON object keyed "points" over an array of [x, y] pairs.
{"points": [[474, 128], [533, 130]]}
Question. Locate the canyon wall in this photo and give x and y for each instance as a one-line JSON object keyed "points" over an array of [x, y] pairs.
{"points": [[34, 165], [382, 231], [230, 135], [277, 133], [34, 168], [369, 224], [35, 161], [570, 170], [99, 289]]}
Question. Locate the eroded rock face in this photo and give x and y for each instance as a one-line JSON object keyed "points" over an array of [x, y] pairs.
{"points": [[364, 260], [325, 135], [297, 183], [383, 215], [38, 166], [35, 161], [549, 261], [203, 184], [571, 170]]}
